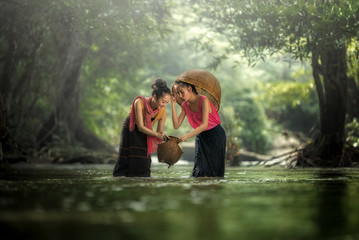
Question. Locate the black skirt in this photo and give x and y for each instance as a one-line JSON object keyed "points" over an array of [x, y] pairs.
{"points": [[210, 152], [133, 160]]}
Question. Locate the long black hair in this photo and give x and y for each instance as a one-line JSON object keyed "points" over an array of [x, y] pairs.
{"points": [[159, 88]]}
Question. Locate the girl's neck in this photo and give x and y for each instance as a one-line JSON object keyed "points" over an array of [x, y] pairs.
{"points": [[193, 98], [152, 103]]}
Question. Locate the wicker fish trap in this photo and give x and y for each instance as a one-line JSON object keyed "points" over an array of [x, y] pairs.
{"points": [[206, 84], [169, 151]]}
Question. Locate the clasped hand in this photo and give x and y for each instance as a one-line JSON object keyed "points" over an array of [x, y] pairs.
{"points": [[162, 136]]}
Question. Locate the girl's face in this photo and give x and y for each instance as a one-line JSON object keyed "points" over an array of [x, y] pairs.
{"points": [[184, 92], [162, 101], [175, 94]]}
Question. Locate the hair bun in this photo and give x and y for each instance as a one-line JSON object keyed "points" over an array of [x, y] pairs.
{"points": [[159, 83], [159, 88]]}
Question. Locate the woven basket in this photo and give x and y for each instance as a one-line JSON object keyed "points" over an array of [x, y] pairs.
{"points": [[206, 84], [169, 152]]}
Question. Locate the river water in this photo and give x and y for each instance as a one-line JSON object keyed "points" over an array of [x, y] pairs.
{"points": [[40, 201]]}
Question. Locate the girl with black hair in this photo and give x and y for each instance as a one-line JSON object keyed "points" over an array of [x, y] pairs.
{"points": [[210, 143], [138, 139]]}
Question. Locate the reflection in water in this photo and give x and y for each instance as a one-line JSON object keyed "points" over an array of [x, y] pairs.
{"points": [[86, 202], [332, 195]]}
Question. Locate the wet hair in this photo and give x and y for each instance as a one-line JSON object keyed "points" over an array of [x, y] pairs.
{"points": [[187, 85], [159, 88]]}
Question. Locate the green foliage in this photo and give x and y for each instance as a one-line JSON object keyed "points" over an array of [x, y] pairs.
{"points": [[254, 125], [291, 104], [353, 133], [317, 30], [104, 117], [353, 63], [243, 117], [128, 43], [38, 37], [123, 45], [261, 27], [281, 94]]}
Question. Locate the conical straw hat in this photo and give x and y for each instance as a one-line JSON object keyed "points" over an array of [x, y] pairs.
{"points": [[205, 82]]}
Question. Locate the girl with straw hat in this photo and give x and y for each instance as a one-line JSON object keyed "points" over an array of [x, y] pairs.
{"points": [[202, 115]]}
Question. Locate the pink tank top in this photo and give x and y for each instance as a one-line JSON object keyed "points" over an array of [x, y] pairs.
{"points": [[195, 118]]}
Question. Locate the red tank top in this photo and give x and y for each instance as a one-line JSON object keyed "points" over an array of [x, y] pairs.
{"points": [[195, 118]]}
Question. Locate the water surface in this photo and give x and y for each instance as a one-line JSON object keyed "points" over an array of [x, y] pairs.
{"points": [[86, 202]]}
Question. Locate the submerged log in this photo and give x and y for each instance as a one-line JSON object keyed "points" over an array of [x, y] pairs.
{"points": [[251, 156]]}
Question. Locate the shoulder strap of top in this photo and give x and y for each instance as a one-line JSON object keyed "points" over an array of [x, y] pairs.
{"points": [[210, 104], [201, 98]]}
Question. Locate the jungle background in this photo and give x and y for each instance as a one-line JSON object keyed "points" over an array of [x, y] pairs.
{"points": [[70, 70]]}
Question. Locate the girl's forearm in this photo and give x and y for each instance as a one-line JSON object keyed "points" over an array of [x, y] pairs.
{"points": [[174, 117], [148, 131], [161, 123], [203, 126], [194, 132]]}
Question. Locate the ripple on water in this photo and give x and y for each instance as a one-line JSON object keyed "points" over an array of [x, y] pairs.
{"points": [[248, 202]]}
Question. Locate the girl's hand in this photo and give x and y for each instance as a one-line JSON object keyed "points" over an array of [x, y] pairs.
{"points": [[173, 98], [166, 137], [182, 139], [160, 136]]}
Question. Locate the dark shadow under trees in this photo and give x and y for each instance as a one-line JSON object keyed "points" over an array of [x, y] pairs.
{"points": [[45, 45]]}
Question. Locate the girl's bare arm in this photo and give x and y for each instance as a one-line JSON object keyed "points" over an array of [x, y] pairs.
{"points": [[161, 123], [177, 120], [139, 121], [203, 126]]}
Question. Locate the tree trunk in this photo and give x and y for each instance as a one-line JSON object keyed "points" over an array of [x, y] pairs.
{"points": [[65, 117], [65, 121], [3, 129], [330, 76], [2, 115]]}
